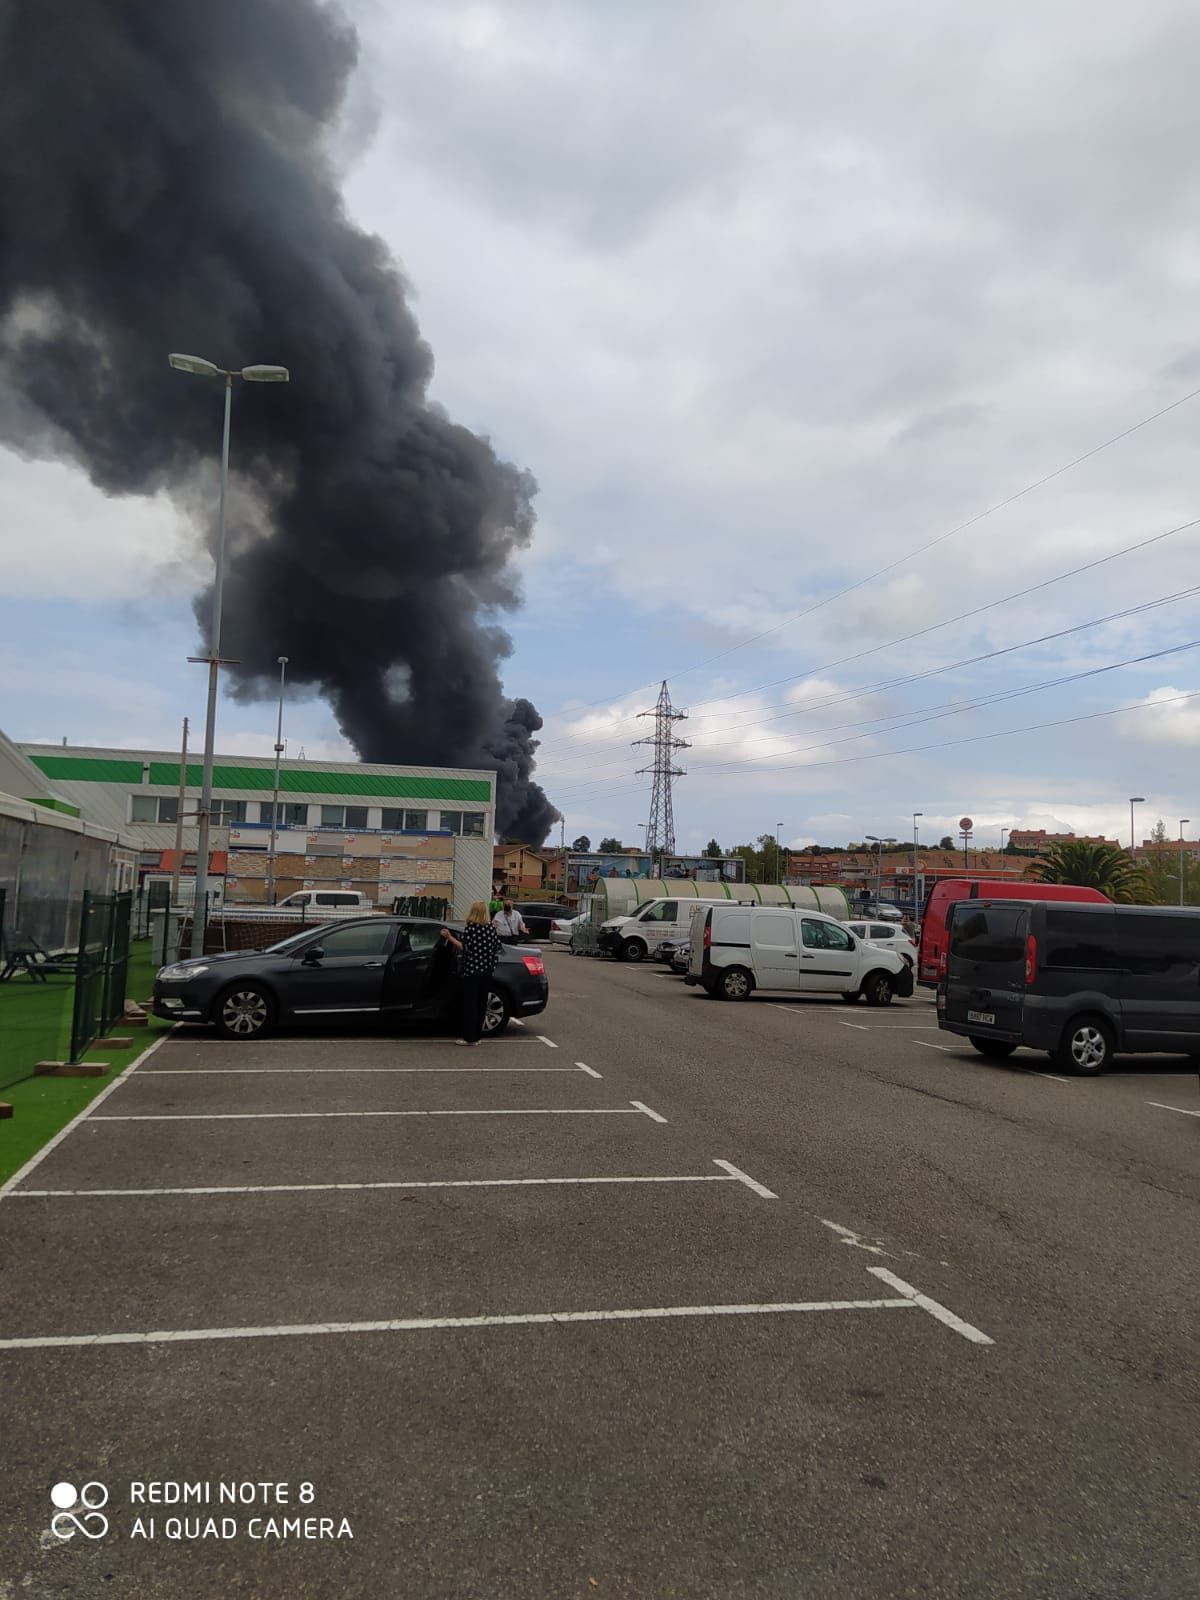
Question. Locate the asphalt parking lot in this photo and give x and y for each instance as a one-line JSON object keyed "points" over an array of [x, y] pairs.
{"points": [[654, 1296]]}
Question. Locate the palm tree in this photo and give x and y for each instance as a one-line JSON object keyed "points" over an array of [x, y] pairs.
{"points": [[1093, 866]]}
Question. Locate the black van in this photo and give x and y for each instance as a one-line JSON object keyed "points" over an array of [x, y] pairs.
{"points": [[1080, 981]]}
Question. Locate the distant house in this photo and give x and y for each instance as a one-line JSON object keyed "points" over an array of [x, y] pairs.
{"points": [[1037, 840], [519, 869]]}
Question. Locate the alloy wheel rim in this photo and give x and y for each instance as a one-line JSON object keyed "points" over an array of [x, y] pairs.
{"points": [[1088, 1047], [245, 1013], [494, 1015], [736, 984]]}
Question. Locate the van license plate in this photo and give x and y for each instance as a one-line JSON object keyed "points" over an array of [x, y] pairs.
{"points": [[988, 1018]]}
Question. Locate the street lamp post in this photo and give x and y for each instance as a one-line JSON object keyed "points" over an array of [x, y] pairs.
{"points": [[916, 865], [1134, 800], [1003, 831], [283, 661], [873, 839], [778, 853], [207, 369], [1182, 820]]}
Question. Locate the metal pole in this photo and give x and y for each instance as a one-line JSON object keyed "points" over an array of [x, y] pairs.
{"points": [[179, 817], [778, 855], [916, 869], [283, 661], [1182, 869], [200, 905], [562, 838]]}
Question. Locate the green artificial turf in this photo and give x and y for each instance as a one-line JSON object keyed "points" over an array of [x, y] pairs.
{"points": [[35, 1025]]}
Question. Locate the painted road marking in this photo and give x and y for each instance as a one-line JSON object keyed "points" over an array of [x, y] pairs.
{"points": [[1053, 1076], [910, 1299], [849, 1237], [545, 1041], [345, 1072], [440, 1324], [635, 1108], [742, 1177], [730, 1174], [932, 1306], [1182, 1110], [653, 1115], [925, 1045], [10, 1185], [583, 1067]]}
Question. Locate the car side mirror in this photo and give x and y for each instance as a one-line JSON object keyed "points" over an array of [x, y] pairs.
{"points": [[313, 956], [853, 945]]}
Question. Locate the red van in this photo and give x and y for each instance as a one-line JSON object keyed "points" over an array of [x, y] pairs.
{"points": [[943, 895]]}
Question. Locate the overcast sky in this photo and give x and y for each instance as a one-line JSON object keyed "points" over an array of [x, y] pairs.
{"points": [[768, 297]]}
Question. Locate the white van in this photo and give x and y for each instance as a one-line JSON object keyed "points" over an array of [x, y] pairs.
{"points": [[632, 938], [737, 949]]}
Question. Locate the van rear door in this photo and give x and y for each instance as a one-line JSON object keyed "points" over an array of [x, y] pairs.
{"points": [[985, 975]]}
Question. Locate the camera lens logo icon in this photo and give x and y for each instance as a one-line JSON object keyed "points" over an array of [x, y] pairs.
{"points": [[78, 1511]]}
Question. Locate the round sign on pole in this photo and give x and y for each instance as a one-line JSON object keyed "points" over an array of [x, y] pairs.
{"points": [[965, 824]]}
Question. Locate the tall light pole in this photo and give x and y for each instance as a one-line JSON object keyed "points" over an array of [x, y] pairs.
{"points": [[873, 839], [208, 369], [916, 865], [1003, 831], [283, 661], [1134, 800], [1182, 820], [778, 854]]}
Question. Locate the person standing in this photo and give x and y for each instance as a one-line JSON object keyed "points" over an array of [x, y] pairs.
{"points": [[510, 924], [479, 948]]}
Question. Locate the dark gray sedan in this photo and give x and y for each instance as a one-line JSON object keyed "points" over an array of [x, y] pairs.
{"points": [[388, 967]]}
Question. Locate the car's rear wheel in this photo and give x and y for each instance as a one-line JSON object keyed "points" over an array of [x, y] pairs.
{"points": [[1086, 1047], [496, 1014], [245, 1011], [877, 989], [633, 950], [996, 1049], [735, 983]]}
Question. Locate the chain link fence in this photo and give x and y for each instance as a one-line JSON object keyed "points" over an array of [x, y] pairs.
{"points": [[101, 967]]}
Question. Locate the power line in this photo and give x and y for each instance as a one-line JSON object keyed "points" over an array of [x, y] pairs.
{"points": [[884, 684], [949, 744], [935, 627], [930, 713], [931, 544]]}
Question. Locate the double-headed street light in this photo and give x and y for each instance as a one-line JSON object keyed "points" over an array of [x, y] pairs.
{"points": [[283, 661], [1182, 820], [916, 865], [1134, 800], [200, 368]]}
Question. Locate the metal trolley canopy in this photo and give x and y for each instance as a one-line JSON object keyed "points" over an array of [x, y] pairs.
{"points": [[620, 897]]}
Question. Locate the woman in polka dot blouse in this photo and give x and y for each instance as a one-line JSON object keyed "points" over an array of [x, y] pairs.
{"points": [[479, 946]]}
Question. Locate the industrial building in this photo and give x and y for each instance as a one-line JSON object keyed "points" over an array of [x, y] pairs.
{"points": [[390, 830]]}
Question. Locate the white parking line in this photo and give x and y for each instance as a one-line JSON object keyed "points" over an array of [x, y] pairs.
{"points": [[442, 1324], [1053, 1076], [583, 1067], [925, 1045], [546, 1041], [730, 1174], [634, 1109], [334, 1072], [742, 1177], [1182, 1110], [932, 1306], [653, 1115], [9, 1186]]}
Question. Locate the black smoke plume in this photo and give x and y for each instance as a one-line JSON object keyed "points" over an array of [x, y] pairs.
{"points": [[164, 186]]}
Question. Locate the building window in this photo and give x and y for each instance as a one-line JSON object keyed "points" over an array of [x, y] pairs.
{"points": [[333, 816], [466, 824], [292, 814], [143, 808], [223, 812], [396, 820], [168, 808], [356, 816]]}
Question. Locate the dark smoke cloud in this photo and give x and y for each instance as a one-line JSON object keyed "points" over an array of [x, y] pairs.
{"points": [[163, 187]]}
